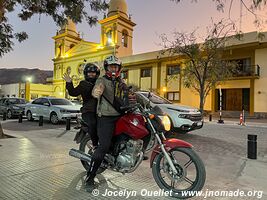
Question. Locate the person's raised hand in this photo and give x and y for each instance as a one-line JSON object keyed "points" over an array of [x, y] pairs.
{"points": [[67, 78]]}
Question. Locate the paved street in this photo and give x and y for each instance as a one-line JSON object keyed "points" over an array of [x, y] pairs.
{"points": [[35, 164]]}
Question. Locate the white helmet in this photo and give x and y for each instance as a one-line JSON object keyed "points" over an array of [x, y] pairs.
{"points": [[112, 60]]}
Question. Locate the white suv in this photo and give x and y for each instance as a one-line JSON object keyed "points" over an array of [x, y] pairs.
{"points": [[183, 118]]}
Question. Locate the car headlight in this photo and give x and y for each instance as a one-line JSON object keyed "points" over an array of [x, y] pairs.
{"points": [[63, 111], [183, 116], [16, 107], [166, 122]]}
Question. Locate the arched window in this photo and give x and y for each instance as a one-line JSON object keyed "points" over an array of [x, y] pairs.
{"points": [[124, 38], [109, 37], [72, 45]]}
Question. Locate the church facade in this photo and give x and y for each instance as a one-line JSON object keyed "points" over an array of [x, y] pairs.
{"points": [[149, 71]]}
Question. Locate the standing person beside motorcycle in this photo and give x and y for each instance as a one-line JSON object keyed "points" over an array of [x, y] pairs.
{"points": [[111, 93], [91, 73]]}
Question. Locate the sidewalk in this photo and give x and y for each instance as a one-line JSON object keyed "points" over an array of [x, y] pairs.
{"points": [[36, 165]]}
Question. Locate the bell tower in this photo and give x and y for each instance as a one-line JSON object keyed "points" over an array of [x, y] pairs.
{"points": [[65, 39], [117, 29]]}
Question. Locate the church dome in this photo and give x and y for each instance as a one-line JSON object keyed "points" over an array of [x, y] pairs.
{"points": [[118, 6], [69, 27]]}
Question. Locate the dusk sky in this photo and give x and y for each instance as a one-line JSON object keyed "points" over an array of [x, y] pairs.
{"points": [[153, 17]]}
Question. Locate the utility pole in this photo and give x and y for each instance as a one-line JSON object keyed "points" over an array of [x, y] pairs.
{"points": [[220, 121], [1, 131]]}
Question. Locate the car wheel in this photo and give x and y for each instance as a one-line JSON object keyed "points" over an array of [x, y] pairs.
{"points": [[29, 116], [9, 114], [54, 118]]}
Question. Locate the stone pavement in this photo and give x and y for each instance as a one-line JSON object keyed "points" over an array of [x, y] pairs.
{"points": [[235, 121], [36, 165]]}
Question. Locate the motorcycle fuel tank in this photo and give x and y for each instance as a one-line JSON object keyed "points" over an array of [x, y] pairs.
{"points": [[133, 125]]}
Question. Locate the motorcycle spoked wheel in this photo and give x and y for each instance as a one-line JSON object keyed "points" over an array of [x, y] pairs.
{"points": [[87, 147], [184, 178]]}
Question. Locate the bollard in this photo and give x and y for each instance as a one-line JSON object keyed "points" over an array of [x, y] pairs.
{"points": [[210, 118], [41, 120], [20, 118], [68, 124], [4, 116], [252, 146]]}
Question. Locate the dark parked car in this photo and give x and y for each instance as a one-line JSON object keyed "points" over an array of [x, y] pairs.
{"points": [[12, 106]]}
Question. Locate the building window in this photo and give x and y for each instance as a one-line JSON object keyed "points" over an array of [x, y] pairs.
{"points": [[124, 38], [173, 96], [72, 45], [173, 70], [80, 69], [124, 74], [146, 72], [109, 37], [243, 67]]}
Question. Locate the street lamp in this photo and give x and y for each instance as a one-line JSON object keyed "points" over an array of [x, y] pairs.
{"points": [[164, 90], [27, 88], [29, 79]]}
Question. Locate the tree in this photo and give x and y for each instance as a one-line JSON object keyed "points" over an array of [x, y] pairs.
{"points": [[203, 64], [59, 10]]}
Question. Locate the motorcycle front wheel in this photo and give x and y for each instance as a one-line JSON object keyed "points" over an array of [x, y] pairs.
{"points": [[191, 173], [87, 147]]}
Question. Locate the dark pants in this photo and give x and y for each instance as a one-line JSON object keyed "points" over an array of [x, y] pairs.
{"points": [[90, 119], [105, 129]]}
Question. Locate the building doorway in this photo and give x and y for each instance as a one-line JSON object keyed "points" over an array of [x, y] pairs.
{"points": [[233, 99]]}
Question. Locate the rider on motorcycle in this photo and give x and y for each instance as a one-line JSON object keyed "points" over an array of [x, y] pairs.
{"points": [[91, 73], [110, 91]]}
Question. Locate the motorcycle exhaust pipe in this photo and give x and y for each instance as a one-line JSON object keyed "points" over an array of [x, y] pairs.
{"points": [[80, 155]]}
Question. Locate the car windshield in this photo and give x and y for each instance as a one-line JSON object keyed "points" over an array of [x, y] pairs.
{"points": [[60, 102], [17, 101], [156, 99]]}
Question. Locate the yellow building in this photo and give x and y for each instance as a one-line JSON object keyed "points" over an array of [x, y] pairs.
{"points": [[149, 71]]}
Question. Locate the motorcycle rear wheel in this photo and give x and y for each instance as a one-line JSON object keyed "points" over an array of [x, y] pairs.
{"points": [[87, 147], [160, 163]]}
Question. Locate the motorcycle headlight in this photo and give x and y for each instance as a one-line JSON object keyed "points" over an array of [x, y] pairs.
{"points": [[166, 122]]}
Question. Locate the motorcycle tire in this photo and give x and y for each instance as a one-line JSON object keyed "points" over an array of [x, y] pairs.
{"points": [[197, 184], [85, 164]]}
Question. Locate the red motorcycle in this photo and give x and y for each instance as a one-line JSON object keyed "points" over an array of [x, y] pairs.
{"points": [[175, 165]]}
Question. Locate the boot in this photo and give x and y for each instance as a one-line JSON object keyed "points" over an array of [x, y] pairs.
{"points": [[90, 184], [89, 180], [91, 174]]}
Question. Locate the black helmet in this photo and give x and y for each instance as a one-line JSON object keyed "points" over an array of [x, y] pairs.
{"points": [[90, 67]]}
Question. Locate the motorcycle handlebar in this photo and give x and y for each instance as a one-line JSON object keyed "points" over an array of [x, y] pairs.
{"points": [[130, 107]]}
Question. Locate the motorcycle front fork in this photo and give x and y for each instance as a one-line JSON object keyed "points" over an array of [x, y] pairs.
{"points": [[162, 147]]}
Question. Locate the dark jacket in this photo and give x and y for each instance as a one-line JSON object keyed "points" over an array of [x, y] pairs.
{"points": [[85, 90]]}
